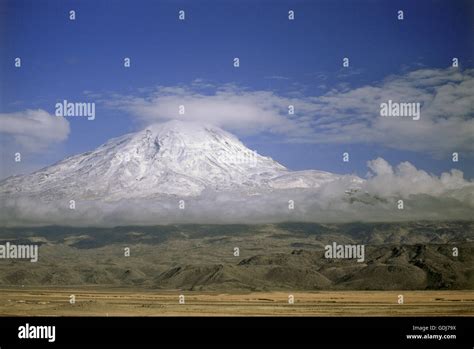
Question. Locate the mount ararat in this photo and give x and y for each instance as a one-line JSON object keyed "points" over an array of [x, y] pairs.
{"points": [[176, 158], [188, 172]]}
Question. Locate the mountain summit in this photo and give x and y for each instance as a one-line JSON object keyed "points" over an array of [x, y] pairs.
{"points": [[174, 158]]}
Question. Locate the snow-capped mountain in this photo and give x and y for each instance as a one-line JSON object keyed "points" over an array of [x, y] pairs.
{"points": [[174, 158]]}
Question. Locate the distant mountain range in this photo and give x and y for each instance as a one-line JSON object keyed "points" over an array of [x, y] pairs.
{"points": [[285, 256]]}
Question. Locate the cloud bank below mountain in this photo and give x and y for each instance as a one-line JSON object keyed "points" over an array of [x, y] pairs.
{"points": [[425, 196]]}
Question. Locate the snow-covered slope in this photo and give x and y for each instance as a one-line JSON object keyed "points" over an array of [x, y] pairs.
{"points": [[174, 158]]}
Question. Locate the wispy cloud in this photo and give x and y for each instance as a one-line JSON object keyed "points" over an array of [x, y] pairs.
{"points": [[227, 106], [447, 113], [33, 130], [343, 115], [276, 77]]}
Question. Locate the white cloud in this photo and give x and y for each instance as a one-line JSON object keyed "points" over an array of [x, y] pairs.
{"points": [[343, 115], [34, 130], [448, 197], [406, 180], [229, 107], [447, 113]]}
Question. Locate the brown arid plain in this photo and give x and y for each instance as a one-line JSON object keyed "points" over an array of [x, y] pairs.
{"points": [[101, 302]]}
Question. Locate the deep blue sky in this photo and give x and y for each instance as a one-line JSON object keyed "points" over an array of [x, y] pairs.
{"points": [[61, 59]]}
